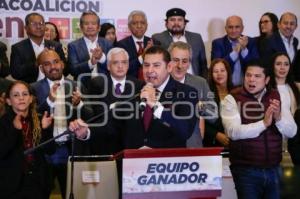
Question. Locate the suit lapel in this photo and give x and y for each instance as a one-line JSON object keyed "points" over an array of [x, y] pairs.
{"points": [[30, 52], [82, 48]]}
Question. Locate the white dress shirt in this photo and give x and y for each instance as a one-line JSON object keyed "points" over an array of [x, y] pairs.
{"points": [[92, 45], [236, 130]]}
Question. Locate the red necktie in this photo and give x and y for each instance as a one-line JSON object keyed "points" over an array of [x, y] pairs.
{"points": [[147, 117], [140, 52], [141, 48]]}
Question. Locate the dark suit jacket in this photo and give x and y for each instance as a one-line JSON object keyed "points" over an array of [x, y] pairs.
{"points": [[78, 57], [23, 60], [167, 132], [275, 44], [221, 48], [42, 89], [199, 62], [103, 142], [204, 95], [296, 67], [128, 44], [12, 159], [4, 65]]}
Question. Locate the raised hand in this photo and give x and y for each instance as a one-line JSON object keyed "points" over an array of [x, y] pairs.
{"points": [[17, 121], [53, 92], [79, 127], [46, 120], [76, 97]]}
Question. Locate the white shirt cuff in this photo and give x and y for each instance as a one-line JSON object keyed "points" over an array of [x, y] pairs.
{"points": [[158, 109]]}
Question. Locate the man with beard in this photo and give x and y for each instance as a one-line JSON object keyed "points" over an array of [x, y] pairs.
{"points": [[61, 98], [24, 53], [175, 24]]}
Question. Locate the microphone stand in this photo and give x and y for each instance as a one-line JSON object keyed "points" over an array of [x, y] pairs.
{"points": [[72, 136], [71, 194]]}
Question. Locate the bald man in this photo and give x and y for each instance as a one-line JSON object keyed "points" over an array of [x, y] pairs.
{"points": [[235, 47]]}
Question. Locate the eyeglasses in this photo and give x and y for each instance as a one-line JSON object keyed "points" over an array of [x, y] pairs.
{"points": [[36, 24]]}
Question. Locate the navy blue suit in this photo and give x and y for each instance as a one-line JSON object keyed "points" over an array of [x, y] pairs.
{"points": [[128, 44], [42, 89], [23, 60], [78, 57], [273, 44], [166, 132], [221, 48]]}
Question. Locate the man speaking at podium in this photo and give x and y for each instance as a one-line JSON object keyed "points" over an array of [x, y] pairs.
{"points": [[163, 116]]}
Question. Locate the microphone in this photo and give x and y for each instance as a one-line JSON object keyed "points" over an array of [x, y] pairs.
{"points": [[143, 102]]}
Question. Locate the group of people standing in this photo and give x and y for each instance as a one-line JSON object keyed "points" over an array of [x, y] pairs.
{"points": [[154, 91]]}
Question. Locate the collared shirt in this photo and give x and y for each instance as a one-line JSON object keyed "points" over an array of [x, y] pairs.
{"points": [[37, 50], [135, 40], [52, 105], [236, 130], [92, 45], [122, 82], [181, 38], [288, 44], [159, 107], [237, 68]]}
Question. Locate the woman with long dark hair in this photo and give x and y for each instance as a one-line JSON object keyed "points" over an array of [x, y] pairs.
{"points": [[283, 80], [108, 31], [219, 80]]}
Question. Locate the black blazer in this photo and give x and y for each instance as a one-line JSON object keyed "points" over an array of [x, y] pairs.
{"points": [[168, 131], [103, 142], [128, 44], [12, 159], [23, 60], [42, 89], [4, 65], [273, 44]]}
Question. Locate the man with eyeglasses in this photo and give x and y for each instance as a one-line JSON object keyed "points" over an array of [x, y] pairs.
{"points": [[24, 53], [62, 98]]}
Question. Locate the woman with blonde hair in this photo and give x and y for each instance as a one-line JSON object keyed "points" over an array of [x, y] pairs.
{"points": [[23, 176]]}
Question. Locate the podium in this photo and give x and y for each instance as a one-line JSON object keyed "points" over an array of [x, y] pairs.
{"points": [[95, 177], [178, 173]]}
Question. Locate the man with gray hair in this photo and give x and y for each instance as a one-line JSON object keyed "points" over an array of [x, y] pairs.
{"points": [[116, 86], [181, 55], [137, 42]]}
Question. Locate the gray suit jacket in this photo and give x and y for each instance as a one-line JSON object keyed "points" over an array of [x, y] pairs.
{"points": [[201, 85], [199, 61]]}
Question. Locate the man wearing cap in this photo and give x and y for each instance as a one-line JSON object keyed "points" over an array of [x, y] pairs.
{"points": [[175, 24]]}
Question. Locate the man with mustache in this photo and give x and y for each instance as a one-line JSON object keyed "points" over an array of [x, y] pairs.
{"points": [[175, 24], [61, 97]]}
